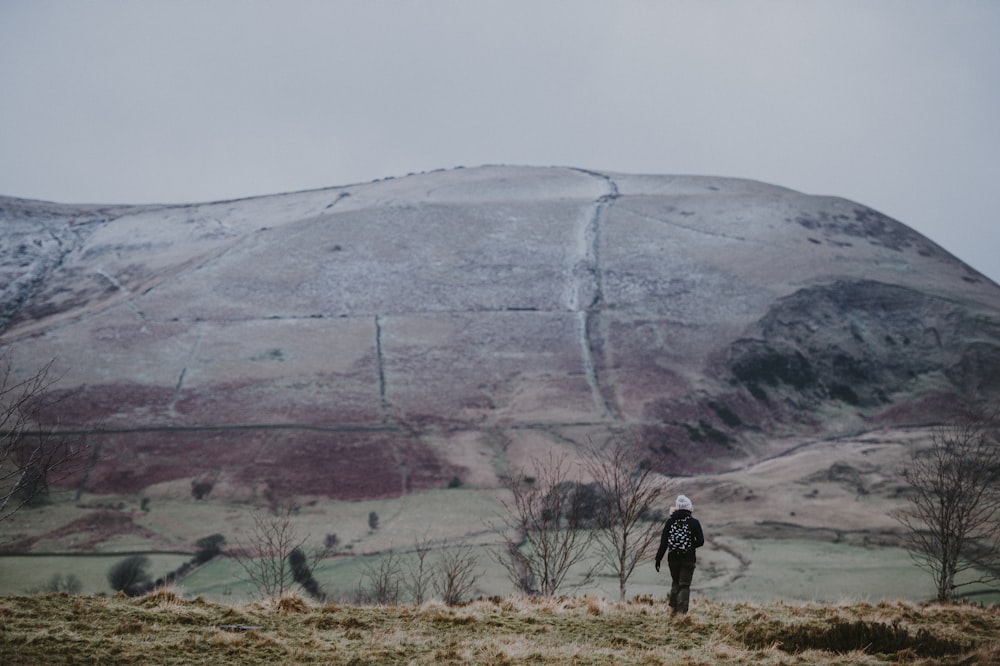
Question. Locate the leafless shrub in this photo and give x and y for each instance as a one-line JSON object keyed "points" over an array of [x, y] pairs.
{"points": [[456, 574], [69, 584], [380, 582], [419, 573]]}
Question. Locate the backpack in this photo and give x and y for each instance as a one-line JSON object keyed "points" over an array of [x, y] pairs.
{"points": [[679, 535]]}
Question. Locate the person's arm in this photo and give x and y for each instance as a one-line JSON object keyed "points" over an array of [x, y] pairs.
{"points": [[663, 545], [699, 536]]}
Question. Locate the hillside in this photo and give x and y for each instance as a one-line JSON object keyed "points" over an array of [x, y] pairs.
{"points": [[377, 339]]}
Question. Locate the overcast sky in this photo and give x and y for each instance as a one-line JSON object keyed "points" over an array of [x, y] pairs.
{"points": [[892, 103]]}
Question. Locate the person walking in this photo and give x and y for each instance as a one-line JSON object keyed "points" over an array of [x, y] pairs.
{"points": [[681, 536]]}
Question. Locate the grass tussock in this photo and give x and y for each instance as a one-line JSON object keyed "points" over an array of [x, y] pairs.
{"points": [[161, 596], [59, 628], [291, 603]]}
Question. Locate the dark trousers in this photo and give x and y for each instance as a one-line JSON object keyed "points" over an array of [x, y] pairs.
{"points": [[681, 574]]}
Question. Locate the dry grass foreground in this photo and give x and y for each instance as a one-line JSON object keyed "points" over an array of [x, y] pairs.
{"points": [[163, 628]]}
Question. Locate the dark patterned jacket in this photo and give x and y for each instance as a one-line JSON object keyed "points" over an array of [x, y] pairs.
{"points": [[696, 534]]}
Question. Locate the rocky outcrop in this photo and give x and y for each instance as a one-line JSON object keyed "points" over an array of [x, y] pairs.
{"points": [[398, 335]]}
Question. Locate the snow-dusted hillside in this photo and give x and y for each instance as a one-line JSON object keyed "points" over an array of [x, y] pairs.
{"points": [[362, 340]]}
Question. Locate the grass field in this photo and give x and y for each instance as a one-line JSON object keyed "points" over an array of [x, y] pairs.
{"points": [[165, 629], [790, 570]]}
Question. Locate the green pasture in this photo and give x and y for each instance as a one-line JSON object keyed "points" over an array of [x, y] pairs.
{"points": [[821, 571], [789, 570], [437, 515], [731, 568], [20, 574]]}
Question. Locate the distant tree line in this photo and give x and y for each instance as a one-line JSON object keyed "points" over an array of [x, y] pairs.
{"points": [[131, 574]]}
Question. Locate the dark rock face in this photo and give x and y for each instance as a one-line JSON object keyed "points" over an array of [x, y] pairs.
{"points": [[389, 337], [861, 343]]}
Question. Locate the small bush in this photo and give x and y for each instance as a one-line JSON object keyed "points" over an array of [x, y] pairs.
{"points": [[208, 547], [302, 574], [201, 488], [129, 575], [69, 584]]}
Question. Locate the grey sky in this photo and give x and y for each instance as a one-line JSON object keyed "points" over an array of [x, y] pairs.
{"points": [[894, 103]]}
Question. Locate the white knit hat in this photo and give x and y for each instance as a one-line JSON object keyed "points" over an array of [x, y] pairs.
{"points": [[683, 503]]}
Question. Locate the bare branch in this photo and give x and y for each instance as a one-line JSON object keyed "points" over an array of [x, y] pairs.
{"points": [[32, 454]]}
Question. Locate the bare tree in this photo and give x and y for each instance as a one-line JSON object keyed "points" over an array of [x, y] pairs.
{"points": [[456, 574], [627, 491], [542, 528], [265, 559], [420, 575], [380, 582], [953, 519], [32, 455]]}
